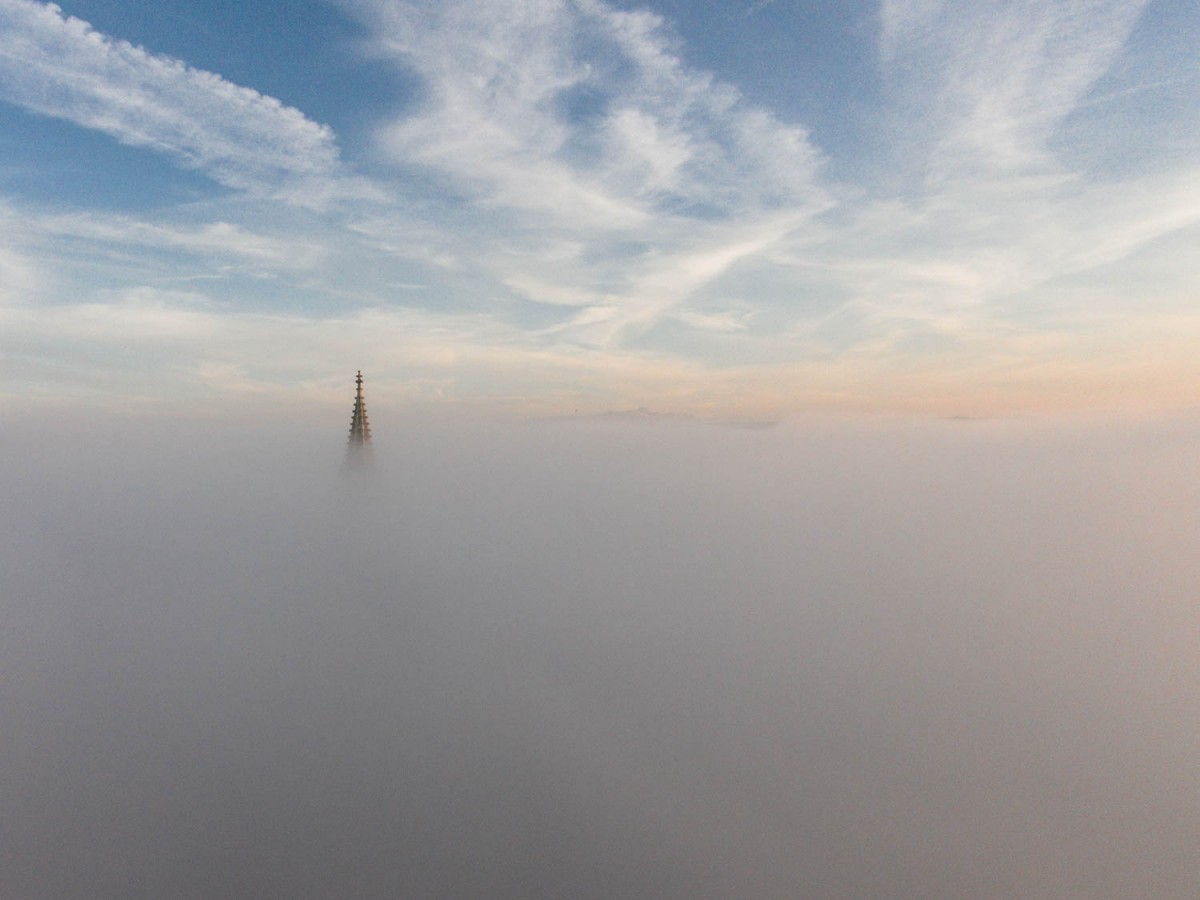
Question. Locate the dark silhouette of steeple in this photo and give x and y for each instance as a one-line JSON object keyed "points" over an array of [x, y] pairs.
{"points": [[360, 428]]}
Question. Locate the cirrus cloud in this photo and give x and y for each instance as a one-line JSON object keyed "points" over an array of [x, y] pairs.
{"points": [[59, 66]]}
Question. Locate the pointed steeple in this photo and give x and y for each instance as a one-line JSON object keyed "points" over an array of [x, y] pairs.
{"points": [[360, 428]]}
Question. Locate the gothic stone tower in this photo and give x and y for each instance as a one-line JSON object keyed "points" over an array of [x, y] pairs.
{"points": [[360, 428]]}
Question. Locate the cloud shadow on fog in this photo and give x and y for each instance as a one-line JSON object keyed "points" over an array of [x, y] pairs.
{"points": [[601, 659]]}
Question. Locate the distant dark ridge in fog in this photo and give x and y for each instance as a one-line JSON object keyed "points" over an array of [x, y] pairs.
{"points": [[833, 658], [643, 415]]}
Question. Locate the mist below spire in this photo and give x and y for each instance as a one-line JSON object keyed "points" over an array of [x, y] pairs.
{"points": [[600, 658]]}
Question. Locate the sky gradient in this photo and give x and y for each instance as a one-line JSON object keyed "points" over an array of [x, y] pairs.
{"points": [[728, 210]]}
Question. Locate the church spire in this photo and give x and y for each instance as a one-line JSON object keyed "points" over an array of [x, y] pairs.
{"points": [[360, 428]]}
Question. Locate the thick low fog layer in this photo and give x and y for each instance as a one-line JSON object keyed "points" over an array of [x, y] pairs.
{"points": [[601, 659]]}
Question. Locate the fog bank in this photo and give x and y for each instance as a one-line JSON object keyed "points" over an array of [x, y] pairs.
{"points": [[601, 659]]}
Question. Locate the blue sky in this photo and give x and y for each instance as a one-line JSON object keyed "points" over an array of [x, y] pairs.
{"points": [[725, 209]]}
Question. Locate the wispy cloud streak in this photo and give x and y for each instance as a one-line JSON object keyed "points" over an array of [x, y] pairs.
{"points": [[219, 239], [59, 66], [989, 81], [585, 112]]}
